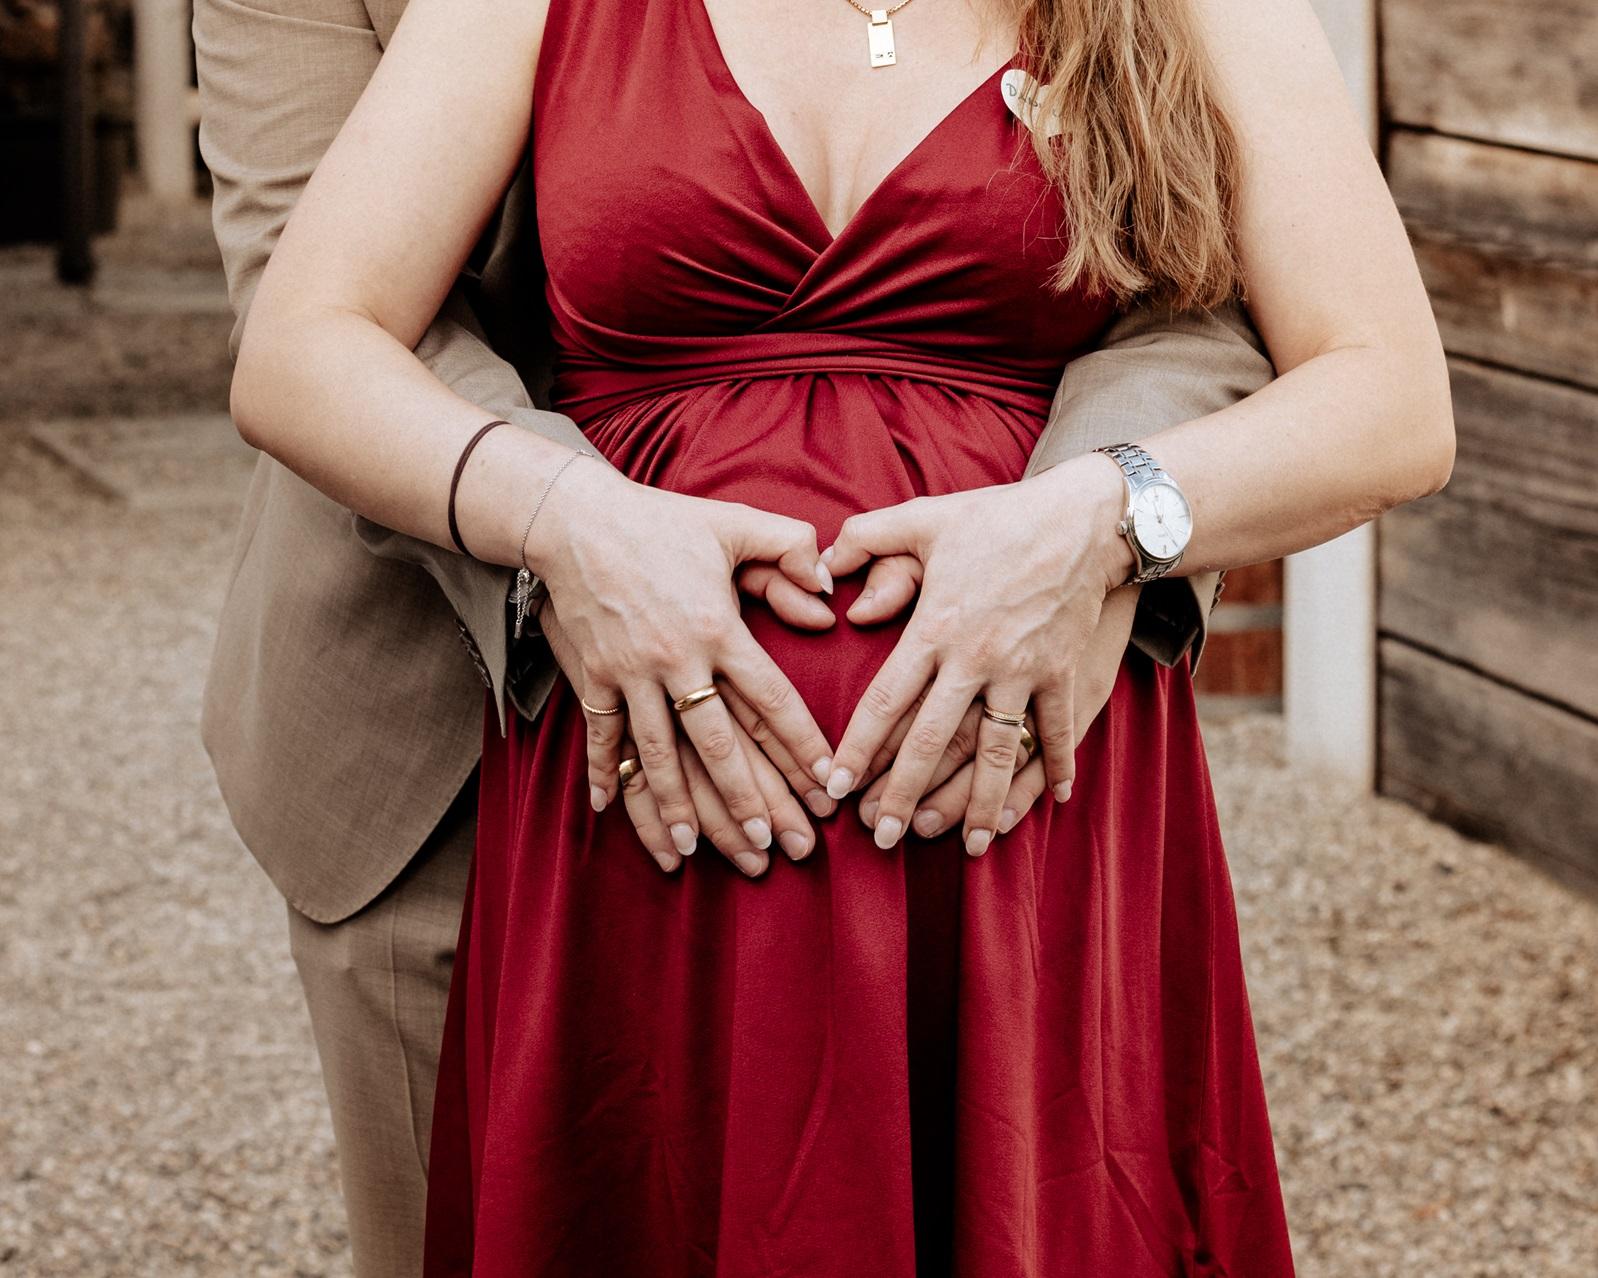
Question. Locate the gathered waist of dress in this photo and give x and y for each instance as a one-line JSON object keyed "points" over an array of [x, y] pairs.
{"points": [[590, 385]]}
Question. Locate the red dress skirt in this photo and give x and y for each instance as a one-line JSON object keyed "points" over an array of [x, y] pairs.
{"points": [[871, 1064]]}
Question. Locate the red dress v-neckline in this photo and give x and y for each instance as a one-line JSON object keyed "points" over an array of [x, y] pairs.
{"points": [[722, 79]]}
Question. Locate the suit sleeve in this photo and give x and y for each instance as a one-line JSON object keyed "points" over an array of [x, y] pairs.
{"points": [[1153, 371], [277, 79]]}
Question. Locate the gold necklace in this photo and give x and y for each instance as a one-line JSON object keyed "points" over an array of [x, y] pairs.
{"points": [[879, 34]]}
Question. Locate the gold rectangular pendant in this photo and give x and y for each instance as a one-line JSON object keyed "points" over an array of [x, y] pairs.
{"points": [[880, 35]]}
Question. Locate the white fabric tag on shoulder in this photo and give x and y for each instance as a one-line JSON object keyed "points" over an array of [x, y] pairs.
{"points": [[1021, 95]]}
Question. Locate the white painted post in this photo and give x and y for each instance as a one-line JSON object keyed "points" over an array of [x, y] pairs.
{"points": [[1329, 593], [163, 121]]}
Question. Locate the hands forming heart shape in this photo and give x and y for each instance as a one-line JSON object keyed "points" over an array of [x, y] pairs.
{"points": [[1015, 609]]}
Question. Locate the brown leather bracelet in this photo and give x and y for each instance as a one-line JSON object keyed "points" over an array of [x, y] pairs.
{"points": [[455, 482]]}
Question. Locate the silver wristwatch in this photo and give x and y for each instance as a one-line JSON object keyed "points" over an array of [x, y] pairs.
{"points": [[1158, 522]]}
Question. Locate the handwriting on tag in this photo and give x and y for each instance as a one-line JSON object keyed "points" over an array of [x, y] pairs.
{"points": [[1023, 94]]}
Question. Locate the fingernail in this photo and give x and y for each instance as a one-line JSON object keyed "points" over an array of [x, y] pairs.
{"points": [[751, 863], [888, 831], [796, 845], [824, 577], [868, 811], [683, 836], [1062, 792], [1007, 818], [596, 796], [666, 861], [839, 783], [821, 769], [819, 803], [758, 831], [976, 843], [826, 555], [927, 822]]}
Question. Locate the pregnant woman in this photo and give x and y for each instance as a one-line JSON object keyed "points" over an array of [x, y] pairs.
{"points": [[814, 274]]}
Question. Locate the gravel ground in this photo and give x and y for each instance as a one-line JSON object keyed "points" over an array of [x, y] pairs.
{"points": [[1425, 1005]]}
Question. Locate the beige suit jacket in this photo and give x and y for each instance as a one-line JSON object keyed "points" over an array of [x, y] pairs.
{"points": [[344, 706]]}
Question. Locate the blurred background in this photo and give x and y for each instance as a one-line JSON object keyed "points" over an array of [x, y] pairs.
{"points": [[1403, 725]]}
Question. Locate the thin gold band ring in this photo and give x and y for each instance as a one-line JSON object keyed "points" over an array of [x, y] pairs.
{"points": [[1001, 716], [598, 710]]}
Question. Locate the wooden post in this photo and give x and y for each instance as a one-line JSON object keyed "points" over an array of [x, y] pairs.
{"points": [[161, 97], [1329, 593], [75, 253]]}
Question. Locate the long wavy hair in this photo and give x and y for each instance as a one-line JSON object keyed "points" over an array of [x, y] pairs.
{"points": [[1146, 162]]}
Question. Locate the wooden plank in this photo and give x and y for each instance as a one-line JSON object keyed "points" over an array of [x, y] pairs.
{"points": [[1489, 760], [1513, 71], [1500, 569], [1508, 244]]}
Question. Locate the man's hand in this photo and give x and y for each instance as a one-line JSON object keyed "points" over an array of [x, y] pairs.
{"points": [[945, 805]]}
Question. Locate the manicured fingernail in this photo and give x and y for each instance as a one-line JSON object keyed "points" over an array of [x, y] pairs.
{"points": [[795, 844], [824, 577], [821, 769], [888, 831], [1007, 818], [666, 861], [868, 812], [596, 796], [758, 831], [819, 803], [682, 834], [839, 783], [927, 822], [1062, 792], [976, 843], [826, 555], [751, 863]]}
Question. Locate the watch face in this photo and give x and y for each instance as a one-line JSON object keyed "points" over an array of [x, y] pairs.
{"points": [[1162, 520]]}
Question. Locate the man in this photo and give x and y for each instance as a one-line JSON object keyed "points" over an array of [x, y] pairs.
{"points": [[343, 720]]}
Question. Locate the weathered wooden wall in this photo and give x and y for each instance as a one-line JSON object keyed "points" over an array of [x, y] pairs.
{"points": [[1489, 590]]}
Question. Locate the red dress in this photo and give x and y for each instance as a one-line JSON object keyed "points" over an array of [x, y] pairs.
{"points": [[872, 1064]]}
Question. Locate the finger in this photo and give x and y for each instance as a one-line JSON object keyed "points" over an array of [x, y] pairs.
{"points": [[945, 804], [788, 822], [793, 605], [789, 543], [604, 734], [1054, 711], [993, 765], [955, 755], [893, 530], [715, 739], [924, 745], [882, 760], [655, 731], [1025, 788], [892, 690], [890, 586], [644, 813], [771, 694], [765, 741], [717, 822]]}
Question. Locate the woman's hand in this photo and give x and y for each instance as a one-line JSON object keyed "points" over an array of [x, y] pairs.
{"points": [[642, 581], [793, 831], [1012, 580], [946, 803]]}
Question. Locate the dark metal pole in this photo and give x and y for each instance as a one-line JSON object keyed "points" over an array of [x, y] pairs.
{"points": [[75, 259]]}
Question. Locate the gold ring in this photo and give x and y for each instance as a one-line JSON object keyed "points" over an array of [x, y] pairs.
{"points": [[626, 770], [597, 710], [1000, 716], [696, 697], [1029, 743]]}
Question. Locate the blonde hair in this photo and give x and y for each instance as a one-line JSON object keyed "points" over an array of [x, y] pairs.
{"points": [[1146, 162]]}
